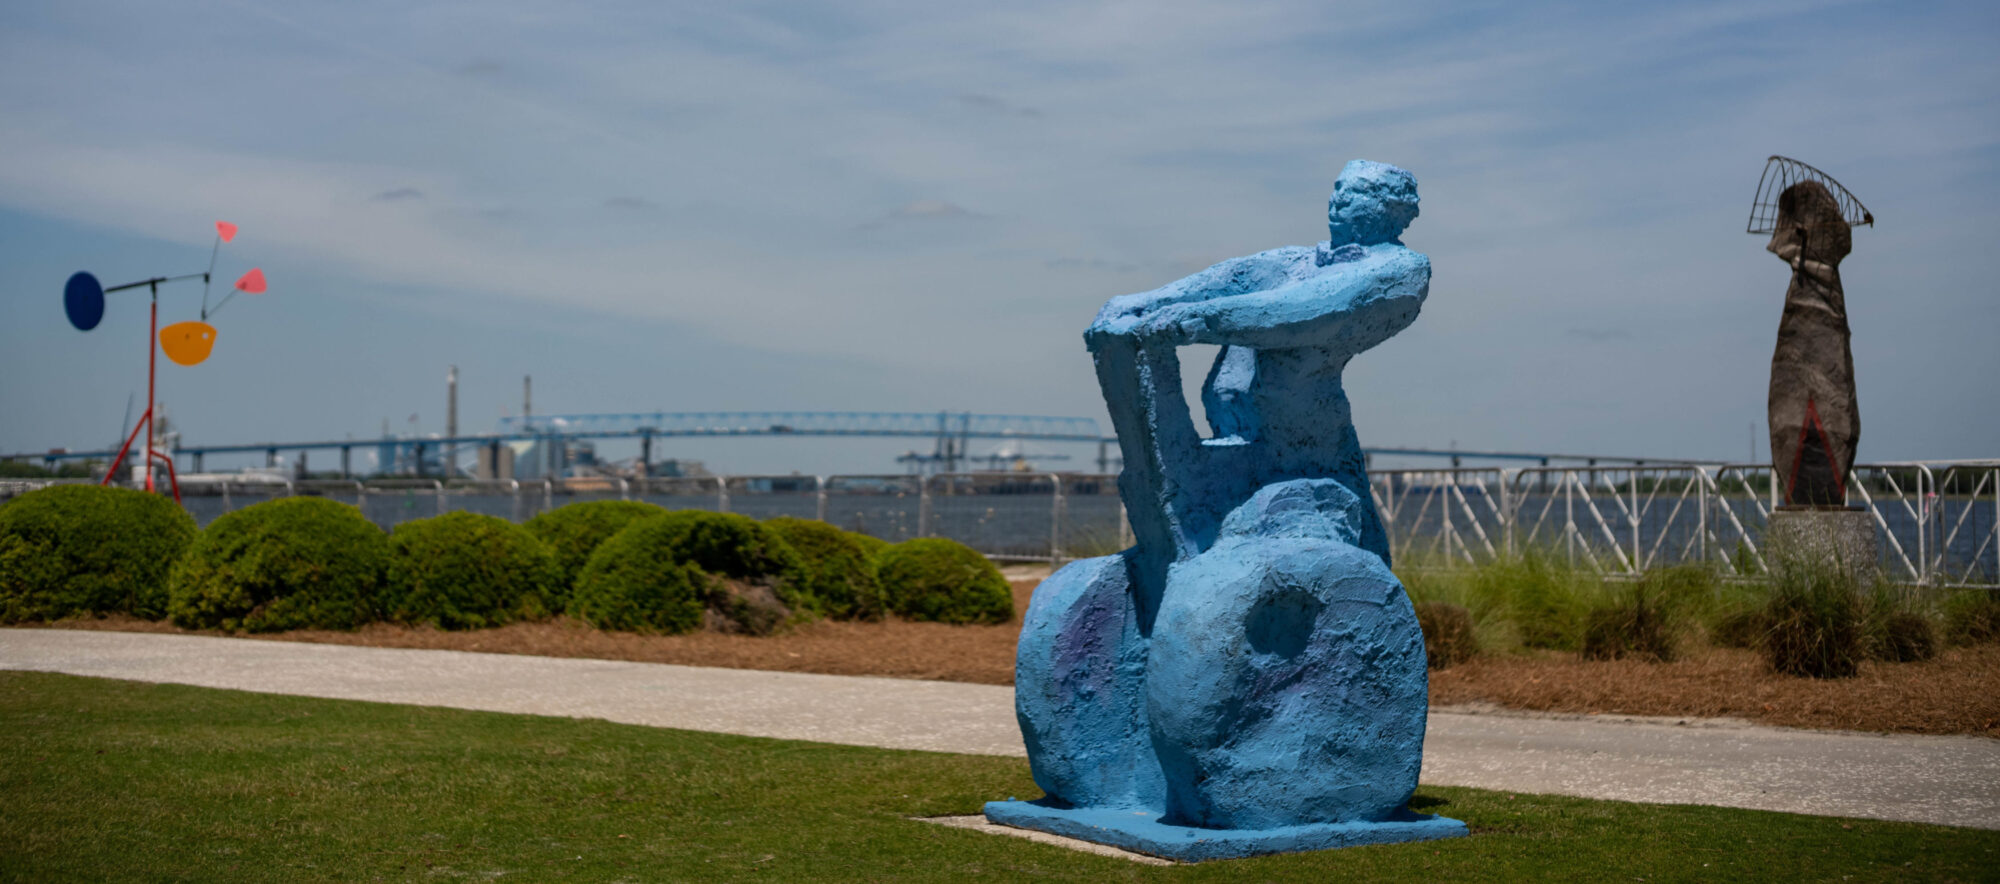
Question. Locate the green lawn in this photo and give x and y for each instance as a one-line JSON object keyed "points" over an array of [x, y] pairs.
{"points": [[117, 781]]}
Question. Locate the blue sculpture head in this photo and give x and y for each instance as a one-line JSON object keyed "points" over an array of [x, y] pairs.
{"points": [[1371, 203]]}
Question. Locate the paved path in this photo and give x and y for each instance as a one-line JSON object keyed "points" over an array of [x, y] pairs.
{"points": [[1949, 780]]}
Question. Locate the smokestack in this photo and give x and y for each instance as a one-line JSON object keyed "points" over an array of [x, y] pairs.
{"points": [[527, 397], [451, 422]]}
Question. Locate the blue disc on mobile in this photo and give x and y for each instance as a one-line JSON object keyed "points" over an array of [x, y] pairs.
{"points": [[83, 300]]}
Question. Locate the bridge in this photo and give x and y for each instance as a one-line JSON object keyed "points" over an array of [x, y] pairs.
{"points": [[950, 430]]}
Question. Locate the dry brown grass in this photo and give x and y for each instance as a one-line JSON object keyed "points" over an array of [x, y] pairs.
{"points": [[1957, 693]]}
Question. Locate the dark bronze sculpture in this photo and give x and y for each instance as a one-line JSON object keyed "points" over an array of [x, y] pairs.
{"points": [[1814, 420]]}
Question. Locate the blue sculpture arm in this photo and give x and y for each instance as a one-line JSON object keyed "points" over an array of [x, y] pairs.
{"points": [[1347, 308], [1278, 300], [1127, 315]]}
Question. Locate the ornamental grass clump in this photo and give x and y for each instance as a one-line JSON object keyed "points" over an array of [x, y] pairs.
{"points": [[467, 571], [290, 563], [574, 531], [840, 572], [1740, 628], [68, 550], [1903, 637], [1638, 627], [1814, 619], [1547, 600], [1896, 627], [1448, 635], [943, 581], [1649, 615], [1972, 617]]}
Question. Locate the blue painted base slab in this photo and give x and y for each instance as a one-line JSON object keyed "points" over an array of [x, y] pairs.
{"points": [[1142, 832]]}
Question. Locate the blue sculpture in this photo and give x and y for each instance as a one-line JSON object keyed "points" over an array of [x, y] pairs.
{"points": [[1249, 677]]}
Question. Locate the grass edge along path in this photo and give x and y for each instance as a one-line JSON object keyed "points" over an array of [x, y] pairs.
{"points": [[118, 781], [1957, 693]]}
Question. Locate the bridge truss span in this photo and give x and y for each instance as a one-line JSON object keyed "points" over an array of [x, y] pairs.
{"points": [[811, 423]]}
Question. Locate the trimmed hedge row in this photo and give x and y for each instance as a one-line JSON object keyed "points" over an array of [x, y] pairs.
{"points": [[945, 581], [576, 530], [467, 571], [839, 567], [290, 563], [308, 562], [85, 549], [635, 582]]}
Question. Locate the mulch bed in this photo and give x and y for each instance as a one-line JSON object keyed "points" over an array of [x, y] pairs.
{"points": [[1958, 693], [893, 648]]}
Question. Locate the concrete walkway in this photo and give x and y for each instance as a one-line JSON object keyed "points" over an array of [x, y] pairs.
{"points": [[1948, 780]]}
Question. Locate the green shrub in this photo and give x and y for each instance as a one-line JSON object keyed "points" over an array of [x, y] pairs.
{"points": [[1448, 635], [574, 531], [467, 571], [290, 563], [739, 548], [1972, 617], [690, 569], [87, 549], [870, 545], [636, 582], [934, 579], [840, 572], [1815, 620]]}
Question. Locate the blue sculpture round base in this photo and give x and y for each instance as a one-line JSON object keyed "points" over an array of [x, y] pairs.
{"points": [[1141, 831]]}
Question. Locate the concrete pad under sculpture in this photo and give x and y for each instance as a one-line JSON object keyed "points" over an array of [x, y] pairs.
{"points": [[1249, 677]]}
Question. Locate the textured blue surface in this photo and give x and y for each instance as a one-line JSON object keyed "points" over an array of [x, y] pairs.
{"points": [[1142, 831], [1250, 666]]}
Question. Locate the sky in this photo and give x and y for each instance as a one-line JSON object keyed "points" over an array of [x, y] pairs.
{"points": [[919, 207]]}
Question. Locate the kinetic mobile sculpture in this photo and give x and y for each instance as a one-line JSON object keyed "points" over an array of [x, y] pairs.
{"points": [[186, 343], [1815, 421], [1249, 677]]}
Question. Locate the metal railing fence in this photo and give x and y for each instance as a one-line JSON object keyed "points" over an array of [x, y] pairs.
{"points": [[1938, 523]]}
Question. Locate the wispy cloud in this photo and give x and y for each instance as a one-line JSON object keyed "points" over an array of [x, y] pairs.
{"points": [[989, 104], [922, 212]]}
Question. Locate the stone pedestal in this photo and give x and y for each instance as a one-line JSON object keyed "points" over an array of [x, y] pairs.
{"points": [[1843, 535]]}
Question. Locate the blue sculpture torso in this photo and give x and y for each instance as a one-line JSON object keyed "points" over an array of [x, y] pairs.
{"points": [[1251, 663]]}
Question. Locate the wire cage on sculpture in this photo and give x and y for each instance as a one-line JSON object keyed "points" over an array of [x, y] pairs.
{"points": [[1782, 172]]}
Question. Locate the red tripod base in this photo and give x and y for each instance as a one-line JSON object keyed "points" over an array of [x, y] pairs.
{"points": [[145, 420]]}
